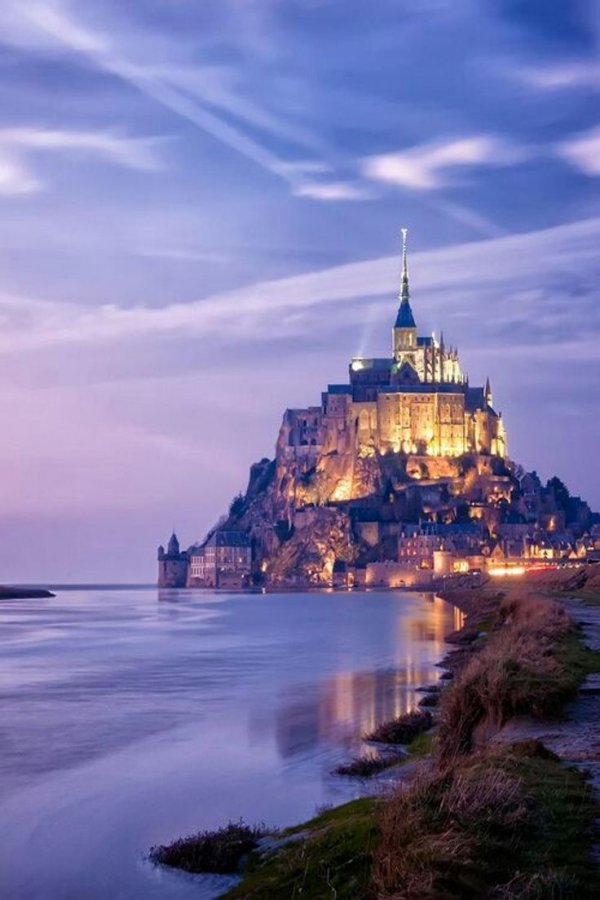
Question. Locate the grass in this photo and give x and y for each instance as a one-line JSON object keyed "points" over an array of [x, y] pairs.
{"points": [[219, 851], [367, 766], [589, 597], [504, 822], [531, 664], [509, 822], [334, 859], [422, 745], [403, 729]]}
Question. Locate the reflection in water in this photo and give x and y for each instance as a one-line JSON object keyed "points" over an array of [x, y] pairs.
{"points": [[432, 623], [344, 707], [127, 722], [349, 704]]}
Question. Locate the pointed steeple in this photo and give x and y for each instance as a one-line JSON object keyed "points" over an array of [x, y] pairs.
{"points": [[404, 288], [173, 545], [487, 392], [405, 318]]}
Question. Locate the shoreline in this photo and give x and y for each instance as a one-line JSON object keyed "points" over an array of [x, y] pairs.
{"points": [[512, 749], [430, 587], [405, 768], [18, 593]]}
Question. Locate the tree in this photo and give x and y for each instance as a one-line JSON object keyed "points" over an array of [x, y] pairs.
{"points": [[560, 492], [237, 506]]}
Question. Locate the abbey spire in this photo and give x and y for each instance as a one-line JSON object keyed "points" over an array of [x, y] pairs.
{"points": [[404, 289], [404, 339], [405, 318]]}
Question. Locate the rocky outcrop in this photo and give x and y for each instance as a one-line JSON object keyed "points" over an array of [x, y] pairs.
{"points": [[309, 554]]}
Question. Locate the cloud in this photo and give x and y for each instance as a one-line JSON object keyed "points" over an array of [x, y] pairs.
{"points": [[426, 167], [572, 74], [516, 266], [222, 88], [583, 151], [17, 144], [15, 177], [161, 86], [333, 190]]}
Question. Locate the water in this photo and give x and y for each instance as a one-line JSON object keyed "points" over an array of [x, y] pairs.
{"points": [[131, 717]]}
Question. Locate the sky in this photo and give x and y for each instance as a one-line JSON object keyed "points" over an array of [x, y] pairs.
{"points": [[200, 213]]}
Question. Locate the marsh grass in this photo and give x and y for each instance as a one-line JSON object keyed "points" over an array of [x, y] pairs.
{"points": [[403, 729], [367, 766], [218, 851], [503, 822], [531, 664], [489, 828], [334, 859]]}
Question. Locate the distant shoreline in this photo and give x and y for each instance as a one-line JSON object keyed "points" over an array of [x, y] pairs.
{"points": [[23, 593]]}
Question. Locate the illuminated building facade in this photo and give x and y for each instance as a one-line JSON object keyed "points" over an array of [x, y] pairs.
{"points": [[415, 402], [224, 560], [400, 473]]}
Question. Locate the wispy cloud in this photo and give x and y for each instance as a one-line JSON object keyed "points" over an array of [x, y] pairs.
{"points": [[18, 145], [515, 265], [221, 87], [426, 167], [583, 151], [570, 74], [15, 177], [333, 190], [160, 85]]}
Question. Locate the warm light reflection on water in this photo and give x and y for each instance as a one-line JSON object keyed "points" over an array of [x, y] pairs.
{"points": [[128, 721], [353, 703]]}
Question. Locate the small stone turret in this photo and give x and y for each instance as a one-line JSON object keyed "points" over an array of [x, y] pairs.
{"points": [[172, 565]]}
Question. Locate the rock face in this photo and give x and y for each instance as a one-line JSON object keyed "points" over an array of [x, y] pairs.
{"points": [[406, 439], [300, 530]]}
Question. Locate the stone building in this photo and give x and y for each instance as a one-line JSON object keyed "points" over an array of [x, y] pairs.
{"points": [[402, 464], [172, 565], [224, 560], [415, 401]]}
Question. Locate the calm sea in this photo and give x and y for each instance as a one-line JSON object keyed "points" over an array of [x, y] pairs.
{"points": [[134, 716]]}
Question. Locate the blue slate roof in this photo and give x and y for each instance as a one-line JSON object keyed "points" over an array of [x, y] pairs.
{"points": [[405, 319], [227, 539]]}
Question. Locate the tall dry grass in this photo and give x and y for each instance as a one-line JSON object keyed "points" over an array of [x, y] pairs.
{"points": [[438, 838], [517, 672]]}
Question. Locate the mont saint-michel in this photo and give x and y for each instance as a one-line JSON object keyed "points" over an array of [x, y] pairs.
{"points": [[399, 475]]}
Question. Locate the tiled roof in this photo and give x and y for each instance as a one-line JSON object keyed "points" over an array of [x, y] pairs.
{"points": [[228, 539]]}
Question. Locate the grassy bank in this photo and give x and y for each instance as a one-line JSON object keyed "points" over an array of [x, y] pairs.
{"points": [[511, 821], [531, 664], [480, 820]]}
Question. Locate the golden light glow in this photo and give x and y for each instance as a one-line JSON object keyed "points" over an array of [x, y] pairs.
{"points": [[503, 571], [357, 365], [343, 490]]}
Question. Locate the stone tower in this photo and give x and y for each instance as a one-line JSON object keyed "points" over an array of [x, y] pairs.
{"points": [[405, 328], [172, 565]]}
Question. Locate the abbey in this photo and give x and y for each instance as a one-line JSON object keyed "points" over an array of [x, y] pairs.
{"points": [[401, 468], [417, 401]]}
